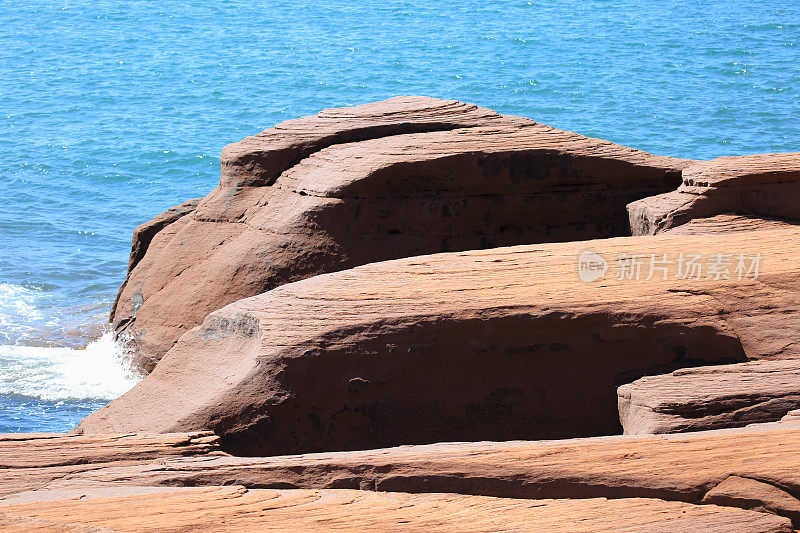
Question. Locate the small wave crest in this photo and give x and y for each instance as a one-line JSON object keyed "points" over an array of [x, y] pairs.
{"points": [[38, 316], [19, 311], [98, 371]]}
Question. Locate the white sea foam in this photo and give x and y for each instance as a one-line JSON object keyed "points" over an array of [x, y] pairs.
{"points": [[56, 373], [18, 301], [20, 311]]}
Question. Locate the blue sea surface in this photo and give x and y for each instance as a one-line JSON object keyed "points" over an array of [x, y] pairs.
{"points": [[114, 111]]}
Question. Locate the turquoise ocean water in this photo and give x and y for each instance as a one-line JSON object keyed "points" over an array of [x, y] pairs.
{"points": [[111, 112]]}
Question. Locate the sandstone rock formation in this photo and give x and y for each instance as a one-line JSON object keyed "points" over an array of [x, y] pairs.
{"points": [[350, 186], [239, 509], [30, 460], [752, 494], [674, 467], [692, 399], [500, 344], [724, 195], [760, 186], [792, 416], [620, 483], [725, 224], [273, 340]]}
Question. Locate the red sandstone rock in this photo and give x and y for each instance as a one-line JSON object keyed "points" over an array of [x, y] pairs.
{"points": [[728, 194], [693, 399], [764, 185], [749, 493], [676, 467], [499, 344], [543, 485], [725, 224], [28, 461], [792, 416], [239, 509], [350, 186]]}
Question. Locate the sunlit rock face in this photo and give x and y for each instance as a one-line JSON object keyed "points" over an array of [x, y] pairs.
{"points": [[398, 178]]}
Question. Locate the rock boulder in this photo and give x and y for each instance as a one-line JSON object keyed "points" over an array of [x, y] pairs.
{"points": [[350, 186]]}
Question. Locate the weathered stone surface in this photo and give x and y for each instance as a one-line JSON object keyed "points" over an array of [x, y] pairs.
{"points": [[748, 493], [676, 467], [30, 460], [792, 416], [764, 185], [239, 509], [725, 224], [693, 399], [481, 345], [563, 483], [728, 194], [260, 159], [350, 186]]}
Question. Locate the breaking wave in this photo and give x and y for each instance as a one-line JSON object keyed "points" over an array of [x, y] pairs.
{"points": [[98, 371]]}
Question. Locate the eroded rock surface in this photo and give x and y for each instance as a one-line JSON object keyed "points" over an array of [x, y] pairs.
{"points": [[747, 493], [726, 224], [350, 186], [693, 399], [792, 416], [28, 461], [675, 467], [499, 344], [619, 483], [240, 509], [760, 186], [723, 196]]}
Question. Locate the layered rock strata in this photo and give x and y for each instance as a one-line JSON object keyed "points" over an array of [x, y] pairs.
{"points": [[483, 345], [525, 342], [350, 186], [674, 467], [693, 399], [239, 509], [620, 483], [28, 461], [759, 186]]}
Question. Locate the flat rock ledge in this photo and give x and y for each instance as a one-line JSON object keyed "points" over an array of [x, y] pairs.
{"points": [[30, 460], [763, 187], [239, 509], [742, 479], [693, 399]]}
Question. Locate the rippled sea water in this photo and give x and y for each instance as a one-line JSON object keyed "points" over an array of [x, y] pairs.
{"points": [[114, 111]]}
